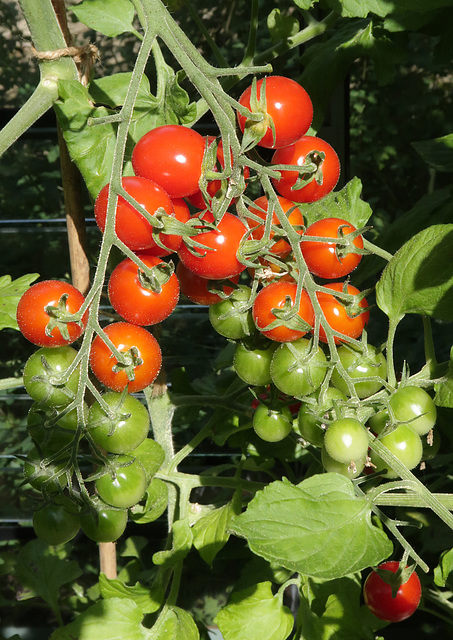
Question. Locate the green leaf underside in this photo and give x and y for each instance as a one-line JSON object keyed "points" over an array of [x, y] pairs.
{"points": [[318, 528], [111, 619], [110, 17], [211, 532], [175, 624], [346, 204], [419, 277], [10, 293], [255, 613]]}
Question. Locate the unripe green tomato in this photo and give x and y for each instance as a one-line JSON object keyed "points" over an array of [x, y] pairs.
{"points": [[57, 522], [44, 373], [405, 444], [229, 318], [346, 440], [253, 365], [415, 407], [272, 425], [294, 375], [107, 525], [123, 486], [310, 417], [351, 470], [358, 365], [123, 430]]}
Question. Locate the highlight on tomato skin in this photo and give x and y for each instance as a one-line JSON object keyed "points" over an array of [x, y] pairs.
{"points": [[378, 595]]}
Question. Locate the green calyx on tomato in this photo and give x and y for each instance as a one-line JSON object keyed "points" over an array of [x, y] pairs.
{"points": [[47, 476], [404, 444], [123, 427], [297, 368], [232, 317], [314, 416], [366, 368], [45, 376]]}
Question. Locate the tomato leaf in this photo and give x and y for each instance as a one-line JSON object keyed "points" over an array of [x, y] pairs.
{"points": [[211, 533], [443, 573], [144, 597], [156, 498], [255, 613], [174, 624], [110, 17], [419, 277], [90, 147], [108, 619], [182, 543], [307, 527], [331, 609], [43, 570], [444, 390], [346, 204], [10, 293], [281, 26], [305, 4], [360, 9], [438, 153]]}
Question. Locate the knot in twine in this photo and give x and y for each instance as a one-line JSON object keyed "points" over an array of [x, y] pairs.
{"points": [[84, 57]]}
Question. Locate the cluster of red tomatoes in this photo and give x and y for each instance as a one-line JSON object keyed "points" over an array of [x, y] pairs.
{"points": [[252, 268]]}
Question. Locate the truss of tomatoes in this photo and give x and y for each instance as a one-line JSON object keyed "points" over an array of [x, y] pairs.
{"points": [[175, 166]]}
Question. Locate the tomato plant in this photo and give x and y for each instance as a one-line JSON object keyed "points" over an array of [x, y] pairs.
{"points": [[312, 417], [143, 298], [217, 257], [405, 444], [329, 259], [297, 369], [389, 606], [252, 363], [232, 317], [105, 524], [272, 305], [321, 176], [287, 111], [57, 522], [43, 311], [346, 440], [171, 156], [141, 357], [366, 368]]}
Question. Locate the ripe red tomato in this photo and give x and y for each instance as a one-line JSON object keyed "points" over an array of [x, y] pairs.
{"points": [[130, 226], [213, 186], [141, 351], [141, 300], [307, 148], [172, 156], [378, 595], [181, 214], [219, 260], [326, 259], [281, 247], [289, 106], [274, 297], [41, 311], [336, 313], [197, 289]]}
